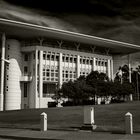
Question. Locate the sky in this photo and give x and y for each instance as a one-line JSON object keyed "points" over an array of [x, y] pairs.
{"points": [[117, 20]]}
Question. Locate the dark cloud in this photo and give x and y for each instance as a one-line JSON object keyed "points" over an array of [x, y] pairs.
{"points": [[118, 20], [98, 7], [127, 8]]}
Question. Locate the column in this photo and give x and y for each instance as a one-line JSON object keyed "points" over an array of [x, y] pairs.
{"points": [[104, 66], [112, 77], [40, 77], [108, 69], [36, 83], [60, 70], [97, 64], [78, 66], [13, 74], [2, 72], [94, 64], [129, 65]]}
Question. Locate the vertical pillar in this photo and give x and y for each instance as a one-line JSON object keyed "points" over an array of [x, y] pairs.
{"points": [[112, 77], [2, 72], [129, 65], [36, 77], [130, 79], [89, 122], [108, 69], [60, 70], [128, 123], [97, 66], [88, 115], [104, 66], [78, 66], [94, 64], [43, 121], [40, 77], [13, 74]]}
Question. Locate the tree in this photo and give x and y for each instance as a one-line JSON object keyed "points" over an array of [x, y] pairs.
{"points": [[98, 82], [123, 74], [122, 77], [136, 80], [76, 90], [95, 85]]}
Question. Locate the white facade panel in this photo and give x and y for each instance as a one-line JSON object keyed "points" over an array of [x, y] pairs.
{"points": [[13, 74]]}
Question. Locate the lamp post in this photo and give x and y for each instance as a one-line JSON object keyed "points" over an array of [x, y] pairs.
{"points": [[137, 83]]}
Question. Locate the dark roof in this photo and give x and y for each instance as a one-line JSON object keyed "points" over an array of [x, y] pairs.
{"points": [[26, 30]]}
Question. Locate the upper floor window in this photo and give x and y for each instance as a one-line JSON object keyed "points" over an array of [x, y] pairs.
{"points": [[25, 70], [26, 57]]}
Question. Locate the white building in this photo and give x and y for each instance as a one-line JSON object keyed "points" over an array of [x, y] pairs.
{"points": [[35, 60]]}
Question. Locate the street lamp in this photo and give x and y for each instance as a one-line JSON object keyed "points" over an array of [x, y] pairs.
{"points": [[137, 83]]}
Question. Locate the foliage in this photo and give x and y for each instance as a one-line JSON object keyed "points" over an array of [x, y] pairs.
{"points": [[124, 78], [121, 90], [97, 84], [136, 78], [76, 90], [122, 74]]}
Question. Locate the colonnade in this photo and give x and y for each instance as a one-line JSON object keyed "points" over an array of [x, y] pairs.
{"points": [[91, 64]]}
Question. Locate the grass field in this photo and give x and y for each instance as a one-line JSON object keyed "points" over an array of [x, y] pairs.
{"points": [[107, 117]]}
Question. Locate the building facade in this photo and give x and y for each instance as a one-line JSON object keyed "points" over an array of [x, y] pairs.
{"points": [[35, 61]]}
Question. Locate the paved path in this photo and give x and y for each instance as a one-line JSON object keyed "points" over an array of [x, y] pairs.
{"points": [[63, 135]]}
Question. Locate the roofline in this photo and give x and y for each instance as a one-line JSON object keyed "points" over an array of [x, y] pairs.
{"points": [[80, 35]]}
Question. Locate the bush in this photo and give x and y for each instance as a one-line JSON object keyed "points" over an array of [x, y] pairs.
{"points": [[88, 102], [52, 104], [117, 101], [68, 103], [84, 102]]}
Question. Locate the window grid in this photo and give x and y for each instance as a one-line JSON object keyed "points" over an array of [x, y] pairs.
{"points": [[69, 67], [86, 65], [50, 70], [101, 65]]}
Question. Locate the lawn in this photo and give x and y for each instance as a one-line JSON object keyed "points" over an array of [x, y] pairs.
{"points": [[107, 117]]}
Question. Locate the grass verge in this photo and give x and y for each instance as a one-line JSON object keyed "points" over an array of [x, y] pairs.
{"points": [[107, 117]]}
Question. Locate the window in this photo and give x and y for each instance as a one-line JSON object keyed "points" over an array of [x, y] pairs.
{"points": [[48, 89], [84, 61], [48, 57], [25, 70], [44, 56], [8, 47], [57, 58], [70, 59], [25, 90], [26, 57], [52, 57], [63, 59], [48, 74], [67, 59], [7, 88]]}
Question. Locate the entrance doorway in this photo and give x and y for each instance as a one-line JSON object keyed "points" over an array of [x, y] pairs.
{"points": [[25, 97]]}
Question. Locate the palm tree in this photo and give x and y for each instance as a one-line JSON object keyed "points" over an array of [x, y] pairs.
{"points": [[123, 74]]}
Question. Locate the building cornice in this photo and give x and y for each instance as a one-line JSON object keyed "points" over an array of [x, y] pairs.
{"points": [[68, 35]]}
